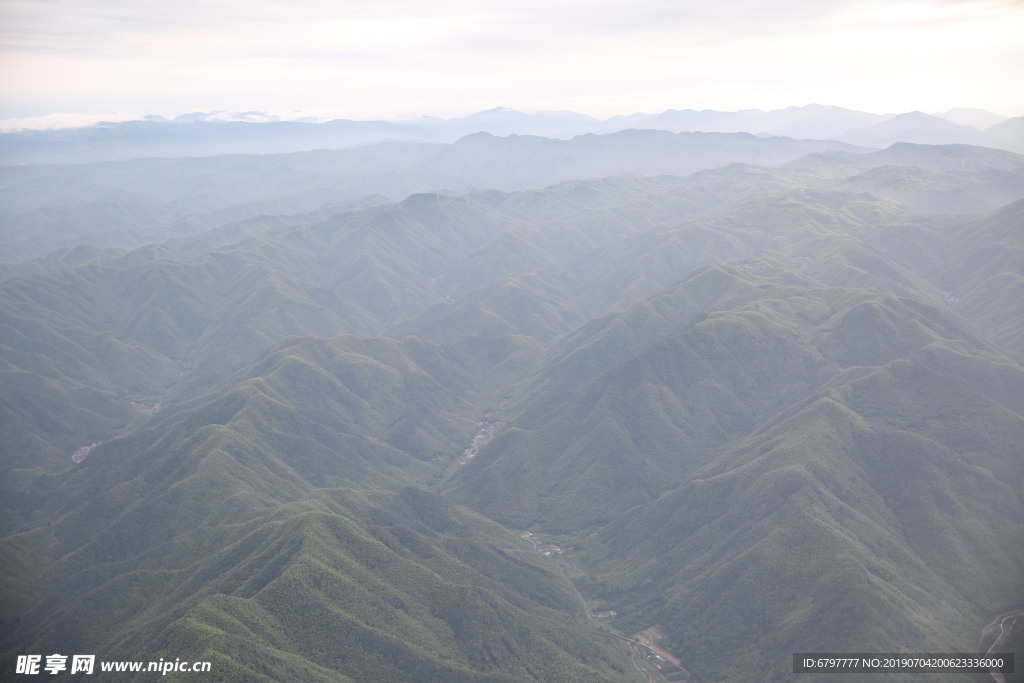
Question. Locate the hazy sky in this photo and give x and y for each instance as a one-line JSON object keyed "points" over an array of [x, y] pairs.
{"points": [[390, 59]]}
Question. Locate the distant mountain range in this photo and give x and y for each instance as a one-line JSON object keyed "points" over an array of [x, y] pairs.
{"points": [[212, 133], [129, 203], [123, 203]]}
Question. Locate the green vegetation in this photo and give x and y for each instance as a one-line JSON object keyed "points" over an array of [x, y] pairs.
{"points": [[768, 409]]}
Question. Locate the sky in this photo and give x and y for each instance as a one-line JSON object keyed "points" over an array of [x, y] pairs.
{"points": [[398, 59]]}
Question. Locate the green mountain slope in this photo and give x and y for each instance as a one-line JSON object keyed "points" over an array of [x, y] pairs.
{"points": [[805, 454], [614, 419], [86, 350], [984, 274], [340, 585], [938, 193], [250, 477], [767, 409], [884, 511]]}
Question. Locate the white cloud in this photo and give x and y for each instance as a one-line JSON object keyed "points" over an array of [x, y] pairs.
{"points": [[55, 121], [404, 58]]}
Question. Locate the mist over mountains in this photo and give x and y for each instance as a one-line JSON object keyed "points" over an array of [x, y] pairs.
{"points": [[137, 201], [489, 406], [213, 133]]}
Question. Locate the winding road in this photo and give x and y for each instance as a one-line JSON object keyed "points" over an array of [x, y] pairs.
{"points": [[1004, 631], [586, 610]]}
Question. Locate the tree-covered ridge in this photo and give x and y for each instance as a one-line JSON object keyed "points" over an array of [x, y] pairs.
{"points": [[734, 350], [225, 508], [884, 510], [338, 585]]}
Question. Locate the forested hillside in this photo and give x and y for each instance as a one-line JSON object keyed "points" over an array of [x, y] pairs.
{"points": [[292, 414]]}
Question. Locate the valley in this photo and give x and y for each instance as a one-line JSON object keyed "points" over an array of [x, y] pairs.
{"points": [[483, 437]]}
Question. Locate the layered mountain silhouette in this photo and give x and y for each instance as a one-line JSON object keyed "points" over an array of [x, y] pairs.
{"points": [[920, 128], [218, 132]]}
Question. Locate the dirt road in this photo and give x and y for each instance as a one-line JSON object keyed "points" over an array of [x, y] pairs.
{"points": [[1004, 632]]}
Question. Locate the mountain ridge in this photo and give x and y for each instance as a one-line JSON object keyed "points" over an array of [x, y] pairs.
{"points": [[765, 408], [206, 133]]}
